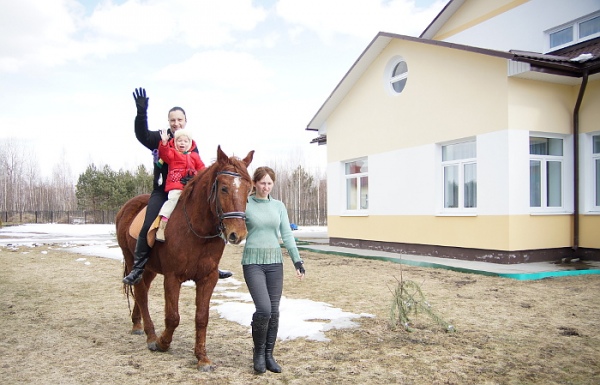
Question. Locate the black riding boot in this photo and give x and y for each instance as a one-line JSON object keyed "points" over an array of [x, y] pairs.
{"points": [[271, 364], [259, 336], [140, 257], [224, 274]]}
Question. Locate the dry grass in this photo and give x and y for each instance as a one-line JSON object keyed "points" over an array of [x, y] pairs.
{"points": [[62, 322]]}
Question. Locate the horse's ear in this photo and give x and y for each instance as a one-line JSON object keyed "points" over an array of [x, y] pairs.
{"points": [[221, 156], [248, 159]]}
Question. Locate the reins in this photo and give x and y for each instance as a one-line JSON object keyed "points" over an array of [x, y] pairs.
{"points": [[218, 209]]}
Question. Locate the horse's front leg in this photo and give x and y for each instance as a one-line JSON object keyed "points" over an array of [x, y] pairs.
{"points": [[172, 290], [204, 290]]}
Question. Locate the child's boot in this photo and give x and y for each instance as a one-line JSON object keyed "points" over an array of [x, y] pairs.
{"points": [[160, 233]]}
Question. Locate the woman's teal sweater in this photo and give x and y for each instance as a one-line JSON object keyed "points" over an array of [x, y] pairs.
{"points": [[267, 220]]}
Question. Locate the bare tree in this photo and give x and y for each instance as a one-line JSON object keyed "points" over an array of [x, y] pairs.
{"points": [[22, 187], [63, 185], [12, 161], [304, 193]]}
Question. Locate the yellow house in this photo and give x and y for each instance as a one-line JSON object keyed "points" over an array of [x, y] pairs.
{"points": [[471, 151]]}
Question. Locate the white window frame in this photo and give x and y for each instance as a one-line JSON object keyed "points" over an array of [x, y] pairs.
{"points": [[460, 164], [544, 160], [589, 169], [362, 199], [575, 37], [389, 79]]}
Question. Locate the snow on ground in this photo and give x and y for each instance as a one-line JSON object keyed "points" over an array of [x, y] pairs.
{"points": [[300, 318]]}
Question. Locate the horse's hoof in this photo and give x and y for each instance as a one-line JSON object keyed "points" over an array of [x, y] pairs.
{"points": [[206, 367], [137, 332], [155, 347]]}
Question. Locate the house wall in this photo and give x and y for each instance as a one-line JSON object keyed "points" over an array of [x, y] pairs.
{"points": [[442, 101], [405, 201], [474, 13], [541, 106], [477, 22], [589, 119], [464, 95], [589, 123]]}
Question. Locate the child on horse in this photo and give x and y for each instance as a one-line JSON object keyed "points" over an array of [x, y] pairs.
{"points": [[183, 164]]}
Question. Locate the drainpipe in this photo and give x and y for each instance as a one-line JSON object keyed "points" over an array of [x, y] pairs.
{"points": [[576, 162]]}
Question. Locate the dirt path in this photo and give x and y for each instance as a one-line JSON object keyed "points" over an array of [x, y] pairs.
{"points": [[65, 322]]}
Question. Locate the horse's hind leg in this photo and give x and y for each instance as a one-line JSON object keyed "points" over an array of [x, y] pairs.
{"points": [[141, 304], [136, 319]]}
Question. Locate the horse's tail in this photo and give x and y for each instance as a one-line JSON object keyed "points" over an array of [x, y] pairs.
{"points": [[128, 291], [123, 220]]}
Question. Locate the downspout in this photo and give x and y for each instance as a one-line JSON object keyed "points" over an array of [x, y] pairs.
{"points": [[576, 162]]}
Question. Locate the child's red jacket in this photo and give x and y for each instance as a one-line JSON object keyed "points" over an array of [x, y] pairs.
{"points": [[180, 164]]}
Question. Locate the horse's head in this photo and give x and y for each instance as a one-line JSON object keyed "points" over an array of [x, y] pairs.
{"points": [[231, 188]]}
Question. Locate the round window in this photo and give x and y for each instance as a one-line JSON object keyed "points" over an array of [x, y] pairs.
{"points": [[396, 75]]}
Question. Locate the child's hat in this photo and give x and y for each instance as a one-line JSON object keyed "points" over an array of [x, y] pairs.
{"points": [[183, 132]]}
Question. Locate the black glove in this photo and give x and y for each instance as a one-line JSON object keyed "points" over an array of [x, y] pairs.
{"points": [[141, 101], [300, 267], [185, 179]]}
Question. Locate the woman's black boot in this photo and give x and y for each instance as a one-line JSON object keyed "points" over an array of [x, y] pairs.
{"points": [[270, 362], [223, 274], [260, 325]]}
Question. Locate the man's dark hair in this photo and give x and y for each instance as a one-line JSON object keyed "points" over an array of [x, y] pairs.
{"points": [[178, 109]]}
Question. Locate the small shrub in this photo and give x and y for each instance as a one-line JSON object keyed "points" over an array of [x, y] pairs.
{"points": [[408, 301]]}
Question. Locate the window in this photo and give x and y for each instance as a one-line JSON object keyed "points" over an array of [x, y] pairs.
{"points": [[396, 74], [545, 172], [357, 185], [583, 29], [562, 37], [589, 27], [459, 170], [596, 168]]}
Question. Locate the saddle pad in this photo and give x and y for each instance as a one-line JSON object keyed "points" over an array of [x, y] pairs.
{"points": [[138, 222]]}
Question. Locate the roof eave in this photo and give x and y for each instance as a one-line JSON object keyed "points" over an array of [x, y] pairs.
{"points": [[441, 19], [379, 42]]}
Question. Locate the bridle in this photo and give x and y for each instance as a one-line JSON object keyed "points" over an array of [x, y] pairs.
{"points": [[213, 198]]}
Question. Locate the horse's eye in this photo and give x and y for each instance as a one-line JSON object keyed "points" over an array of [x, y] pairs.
{"points": [[224, 190]]}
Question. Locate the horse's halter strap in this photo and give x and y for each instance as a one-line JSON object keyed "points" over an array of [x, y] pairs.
{"points": [[220, 213]]}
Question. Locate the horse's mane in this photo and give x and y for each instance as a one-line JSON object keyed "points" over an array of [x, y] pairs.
{"points": [[204, 179]]}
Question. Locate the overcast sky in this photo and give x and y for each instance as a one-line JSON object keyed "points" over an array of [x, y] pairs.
{"points": [[250, 74]]}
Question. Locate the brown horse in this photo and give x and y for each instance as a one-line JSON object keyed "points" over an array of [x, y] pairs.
{"points": [[210, 213]]}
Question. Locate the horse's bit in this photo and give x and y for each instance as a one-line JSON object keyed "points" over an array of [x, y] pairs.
{"points": [[219, 210]]}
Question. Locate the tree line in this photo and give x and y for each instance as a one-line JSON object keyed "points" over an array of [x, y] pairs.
{"points": [[100, 188]]}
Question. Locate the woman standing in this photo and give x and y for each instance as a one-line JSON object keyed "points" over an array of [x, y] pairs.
{"points": [[262, 262]]}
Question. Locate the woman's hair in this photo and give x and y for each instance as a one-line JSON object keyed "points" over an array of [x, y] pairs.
{"points": [[261, 172], [178, 109]]}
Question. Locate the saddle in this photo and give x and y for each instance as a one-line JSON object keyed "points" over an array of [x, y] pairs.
{"points": [[136, 227]]}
